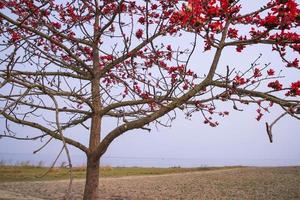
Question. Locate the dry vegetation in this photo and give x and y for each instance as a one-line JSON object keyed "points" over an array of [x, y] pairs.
{"points": [[237, 183], [34, 173]]}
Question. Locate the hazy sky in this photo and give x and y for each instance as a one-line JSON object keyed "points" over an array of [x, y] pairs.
{"points": [[238, 140]]}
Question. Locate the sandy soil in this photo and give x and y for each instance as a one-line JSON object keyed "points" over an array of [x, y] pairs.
{"points": [[242, 183]]}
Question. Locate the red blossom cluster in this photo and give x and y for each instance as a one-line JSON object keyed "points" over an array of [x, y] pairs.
{"points": [[294, 90], [257, 73], [276, 85], [238, 80], [208, 16], [139, 33], [15, 36]]}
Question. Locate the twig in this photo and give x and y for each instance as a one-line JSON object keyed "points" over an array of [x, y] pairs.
{"points": [[53, 164], [69, 191], [15, 101], [42, 146], [269, 127]]}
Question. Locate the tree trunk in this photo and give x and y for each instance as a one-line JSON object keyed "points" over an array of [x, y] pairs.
{"points": [[92, 171], [92, 179]]}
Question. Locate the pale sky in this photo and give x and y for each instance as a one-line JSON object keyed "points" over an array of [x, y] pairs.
{"points": [[238, 140]]}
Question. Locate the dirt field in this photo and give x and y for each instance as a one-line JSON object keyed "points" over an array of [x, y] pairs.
{"points": [[241, 183]]}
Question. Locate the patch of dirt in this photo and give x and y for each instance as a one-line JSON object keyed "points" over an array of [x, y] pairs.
{"points": [[8, 195], [241, 183]]}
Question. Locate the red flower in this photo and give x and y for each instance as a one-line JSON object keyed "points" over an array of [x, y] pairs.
{"points": [[107, 57], [275, 85], [185, 86], [295, 63], [240, 48], [232, 33], [270, 22], [66, 58], [216, 26], [257, 73], [296, 85], [56, 25], [71, 12], [213, 11], [154, 7], [239, 80], [295, 89], [142, 20], [87, 50], [224, 4], [271, 72], [139, 34], [15, 36]]}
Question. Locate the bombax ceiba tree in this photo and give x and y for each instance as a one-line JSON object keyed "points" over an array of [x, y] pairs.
{"points": [[81, 61]]}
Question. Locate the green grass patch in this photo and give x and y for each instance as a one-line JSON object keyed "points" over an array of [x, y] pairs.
{"points": [[33, 173]]}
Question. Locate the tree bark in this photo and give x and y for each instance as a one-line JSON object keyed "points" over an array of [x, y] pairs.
{"points": [[93, 161], [92, 179]]}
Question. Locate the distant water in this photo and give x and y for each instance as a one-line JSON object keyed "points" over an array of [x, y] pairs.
{"points": [[79, 160]]}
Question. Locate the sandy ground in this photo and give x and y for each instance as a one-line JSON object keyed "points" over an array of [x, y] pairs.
{"points": [[242, 183]]}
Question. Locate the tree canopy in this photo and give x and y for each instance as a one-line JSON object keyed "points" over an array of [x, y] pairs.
{"points": [[70, 63]]}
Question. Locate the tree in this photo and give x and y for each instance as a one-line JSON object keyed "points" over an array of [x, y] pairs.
{"points": [[70, 64]]}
